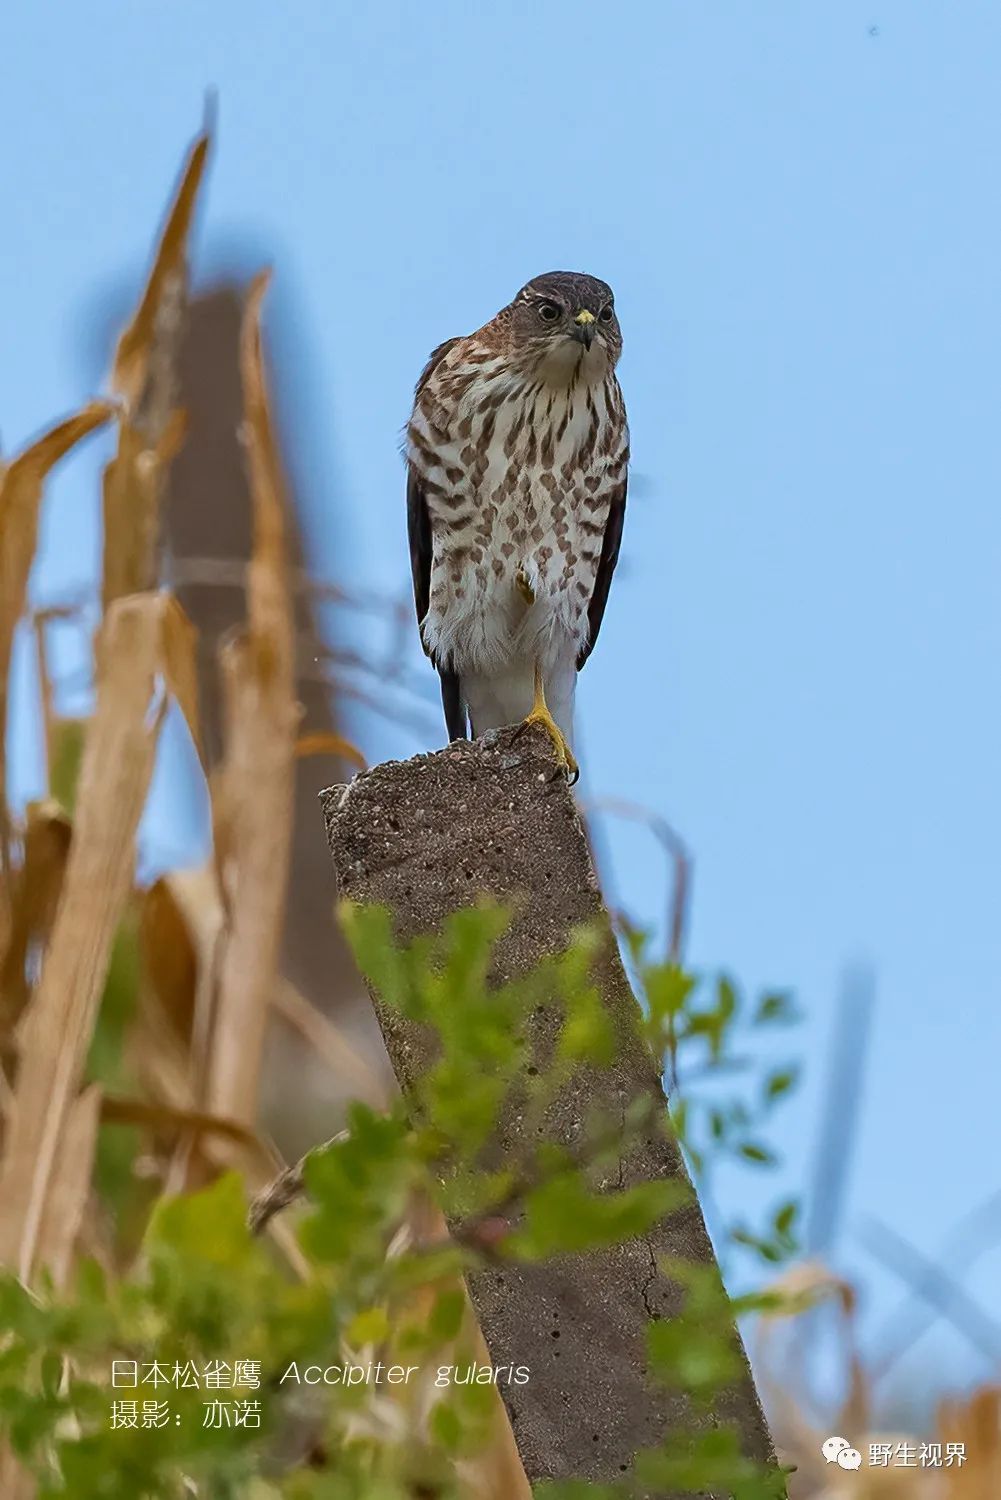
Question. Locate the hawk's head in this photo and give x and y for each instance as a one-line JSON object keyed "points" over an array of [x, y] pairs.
{"points": [[564, 323]]}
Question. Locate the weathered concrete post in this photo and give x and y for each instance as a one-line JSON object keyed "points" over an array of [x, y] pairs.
{"points": [[424, 837]]}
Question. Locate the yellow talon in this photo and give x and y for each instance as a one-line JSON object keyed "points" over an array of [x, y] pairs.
{"points": [[540, 715]]}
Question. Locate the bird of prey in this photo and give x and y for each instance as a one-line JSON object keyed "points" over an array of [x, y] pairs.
{"points": [[517, 451]]}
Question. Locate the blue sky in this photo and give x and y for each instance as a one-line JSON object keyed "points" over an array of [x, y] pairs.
{"points": [[796, 206]]}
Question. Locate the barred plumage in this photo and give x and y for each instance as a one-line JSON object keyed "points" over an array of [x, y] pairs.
{"points": [[517, 451]]}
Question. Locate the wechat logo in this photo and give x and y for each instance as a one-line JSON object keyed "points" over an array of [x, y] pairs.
{"points": [[838, 1450]]}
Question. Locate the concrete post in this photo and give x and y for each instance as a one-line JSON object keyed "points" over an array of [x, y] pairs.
{"points": [[424, 837]]}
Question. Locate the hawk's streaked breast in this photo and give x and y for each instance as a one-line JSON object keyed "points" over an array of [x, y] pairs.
{"points": [[519, 463]]}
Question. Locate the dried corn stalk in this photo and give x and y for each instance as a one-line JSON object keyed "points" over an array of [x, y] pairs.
{"points": [[151, 428], [253, 795], [34, 894], [59, 1023], [21, 485]]}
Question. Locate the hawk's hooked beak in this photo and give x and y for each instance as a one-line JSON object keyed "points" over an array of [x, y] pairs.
{"points": [[584, 327]]}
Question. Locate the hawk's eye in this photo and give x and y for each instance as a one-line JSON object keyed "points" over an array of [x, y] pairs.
{"points": [[550, 312], [605, 316]]}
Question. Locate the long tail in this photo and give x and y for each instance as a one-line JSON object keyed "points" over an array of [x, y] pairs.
{"points": [[453, 704]]}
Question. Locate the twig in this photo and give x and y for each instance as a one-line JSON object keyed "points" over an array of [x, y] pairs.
{"points": [[211, 572], [286, 1188], [678, 855]]}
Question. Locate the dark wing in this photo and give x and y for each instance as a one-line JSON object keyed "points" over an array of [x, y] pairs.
{"points": [[418, 519], [456, 721], [419, 529], [419, 533], [611, 542]]}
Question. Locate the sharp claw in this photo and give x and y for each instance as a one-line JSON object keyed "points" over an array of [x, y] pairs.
{"points": [[565, 763]]}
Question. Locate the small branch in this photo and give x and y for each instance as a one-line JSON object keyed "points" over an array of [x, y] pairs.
{"points": [[678, 854], [287, 1187]]}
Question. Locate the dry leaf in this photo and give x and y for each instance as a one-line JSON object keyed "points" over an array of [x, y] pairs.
{"points": [[497, 1473], [180, 927], [269, 586], [130, 373], [255, 788], [174, 1119], [40, 622], [21, 484], [180, 667], [133, 483], [144, 374], [114, 778], [169, 962], [326, 742], [975, 1422], [36, 888], [69, 1189]]}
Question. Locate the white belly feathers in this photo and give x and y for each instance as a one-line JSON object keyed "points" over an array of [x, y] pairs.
{"points": [[518, 493]]}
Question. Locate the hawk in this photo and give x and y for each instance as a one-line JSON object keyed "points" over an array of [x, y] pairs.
{"points": [[517, 451]]}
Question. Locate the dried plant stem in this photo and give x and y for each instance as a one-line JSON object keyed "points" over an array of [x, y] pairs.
{"points": [[346, 1062], [21, 485], [256, 790], [69, 1188], [114, 778], [286, 1189]]}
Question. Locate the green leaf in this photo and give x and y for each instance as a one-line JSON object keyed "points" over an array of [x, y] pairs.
{"points": [[20, 1313], [753, 1151], [666, 989], [446, 1425], [726, 996], [709, 1462], [692, 1357], [369, 931], [564, 1215], [578, 1489], [786, 1216], [779, 1083], [209, 1227], [370, 1326], [767, 1249], [51, 1372], [678, 1108], [447, 1315], [587, 1034], [776, 1008], [359, 1188]]}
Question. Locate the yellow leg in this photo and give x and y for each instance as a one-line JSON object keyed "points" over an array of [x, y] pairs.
{"points": [[540, 715]]}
